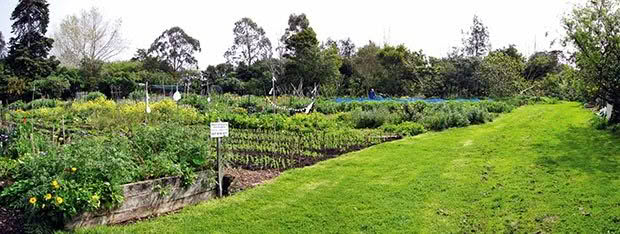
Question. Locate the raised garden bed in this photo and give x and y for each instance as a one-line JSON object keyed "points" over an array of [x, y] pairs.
{"points": [[150, 198]]}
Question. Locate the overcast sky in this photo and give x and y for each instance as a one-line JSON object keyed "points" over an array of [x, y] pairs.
{"points": [[432, 26]]}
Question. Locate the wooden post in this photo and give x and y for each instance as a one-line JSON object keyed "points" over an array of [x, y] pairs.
{"points": [[219, 167]]}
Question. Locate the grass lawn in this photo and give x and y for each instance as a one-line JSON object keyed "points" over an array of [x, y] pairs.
{"points": [[540, 168]]}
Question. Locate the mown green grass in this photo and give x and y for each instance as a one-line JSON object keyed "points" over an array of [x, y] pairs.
{"points": [[541, 168]]}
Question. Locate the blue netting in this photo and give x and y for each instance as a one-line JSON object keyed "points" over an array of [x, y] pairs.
{"points": [[381, 99]]}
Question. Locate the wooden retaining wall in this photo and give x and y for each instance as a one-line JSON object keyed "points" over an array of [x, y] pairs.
{"points": [[152, 197]]}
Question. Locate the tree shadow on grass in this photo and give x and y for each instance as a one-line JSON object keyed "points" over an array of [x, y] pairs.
{"points": [[583, 148]]}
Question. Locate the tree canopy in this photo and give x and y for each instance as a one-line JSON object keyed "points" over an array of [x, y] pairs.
{"points": [[250, 43], [476, 41], [594, 31], [88, 36], [29, 49], [176, 48]]}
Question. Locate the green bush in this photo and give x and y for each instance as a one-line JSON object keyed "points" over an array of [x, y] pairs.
{"points": [[18, 105], [496, 107], [529, 100], [93, 96], [599, 122], [414, 111], [251, 104], [137, 95], [326, 107], [405, 128], [199, 102], [372, 118], [6, 165], [454, 114], [42, 103], [56, 182]]}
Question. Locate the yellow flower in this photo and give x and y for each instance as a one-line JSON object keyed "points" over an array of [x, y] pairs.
{"points": [[73, 169], [33, 200], [47, 196], [59, 200], [95, 197], [55, 184]]}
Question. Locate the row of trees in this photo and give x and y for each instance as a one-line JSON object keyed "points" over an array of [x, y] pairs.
{"points": [[340, 68], [84, 43]]}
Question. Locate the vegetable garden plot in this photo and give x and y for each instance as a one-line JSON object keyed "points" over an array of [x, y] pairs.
{"points": [[259, 149]]}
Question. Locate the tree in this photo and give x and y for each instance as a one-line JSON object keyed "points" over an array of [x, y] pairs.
{"points": [[476, 41], [29, 49], [2, 47], [177, 49], [501, 75], [250, 43], [89, 36], [367, 70], [542, 63], [305, 63], [296, 24], [346, 47], [593, 30], [405, 70], [52, 86]]}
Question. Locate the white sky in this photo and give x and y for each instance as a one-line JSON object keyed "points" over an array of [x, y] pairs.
{"points": [[433, 26]]}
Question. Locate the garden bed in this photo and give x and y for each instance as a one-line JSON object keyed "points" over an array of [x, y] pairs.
{"points": [[149, 198]]}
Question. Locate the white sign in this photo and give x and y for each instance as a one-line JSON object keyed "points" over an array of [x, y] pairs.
{"points": [[219, 129]]}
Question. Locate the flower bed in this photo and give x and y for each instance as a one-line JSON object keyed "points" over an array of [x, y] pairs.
{"points": [[151, 197]]}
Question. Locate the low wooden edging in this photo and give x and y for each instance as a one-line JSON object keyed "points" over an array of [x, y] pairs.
{"points": [[151, 197]]}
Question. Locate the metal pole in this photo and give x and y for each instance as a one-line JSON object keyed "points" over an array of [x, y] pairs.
{"points": [[273, 89], [219, 167]]}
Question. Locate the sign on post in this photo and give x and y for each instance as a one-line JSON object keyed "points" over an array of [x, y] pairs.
{"points": [[219, 129]]}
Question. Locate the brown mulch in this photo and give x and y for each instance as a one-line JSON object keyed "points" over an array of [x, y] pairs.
{"points": [[11, 221], [245, 179]]}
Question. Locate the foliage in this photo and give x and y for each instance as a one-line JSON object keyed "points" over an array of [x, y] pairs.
{"points": [[118, 79], [593, 30], [51, 86], [92, 96], [500, 75], [18, 105], [476, 42], [452, 114], [88, 36], [86, 174], [405, 128], [455, 76], [42, 103], [540, 64], [565, 85], [306, 64], [138, 95], [372, 118], [250, 43], [496, 107], [29, 49], [176, 48], [403, 70], [269, 149]]}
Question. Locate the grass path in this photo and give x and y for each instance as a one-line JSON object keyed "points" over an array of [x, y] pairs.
{"points": [[540, 168]]}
